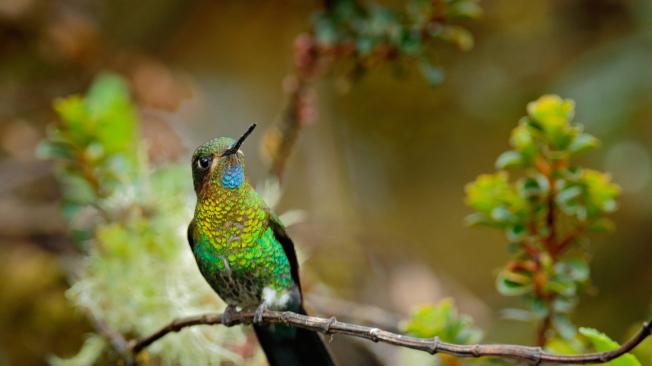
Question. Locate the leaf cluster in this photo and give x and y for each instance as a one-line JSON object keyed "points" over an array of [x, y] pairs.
{"points": [[545, 208], [369, 32], [444, 321]]}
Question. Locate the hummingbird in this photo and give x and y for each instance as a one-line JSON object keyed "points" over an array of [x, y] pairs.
{"points": [[244, 253]]}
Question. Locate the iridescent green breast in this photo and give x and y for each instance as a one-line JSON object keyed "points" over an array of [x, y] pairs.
{"points": [[236, 249]]}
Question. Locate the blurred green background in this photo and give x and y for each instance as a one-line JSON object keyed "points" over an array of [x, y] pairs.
{"points": [[380, 173]]}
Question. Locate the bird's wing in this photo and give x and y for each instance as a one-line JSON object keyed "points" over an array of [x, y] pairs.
{"points": [[283, 238], [191, 228]]}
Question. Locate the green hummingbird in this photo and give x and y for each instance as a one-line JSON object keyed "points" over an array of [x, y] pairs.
{"points": [[244, 253]]}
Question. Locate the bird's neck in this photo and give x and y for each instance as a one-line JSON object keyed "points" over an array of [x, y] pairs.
{"points": [[230, 219], [221, 202]]}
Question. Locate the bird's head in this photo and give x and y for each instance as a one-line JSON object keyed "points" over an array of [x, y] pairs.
{"points": [[219, 163]]}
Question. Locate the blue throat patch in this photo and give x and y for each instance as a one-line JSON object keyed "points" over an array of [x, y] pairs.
{"points": [[233, 177]]}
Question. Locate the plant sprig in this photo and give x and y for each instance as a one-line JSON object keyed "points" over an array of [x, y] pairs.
{"points": [[545, 211]]}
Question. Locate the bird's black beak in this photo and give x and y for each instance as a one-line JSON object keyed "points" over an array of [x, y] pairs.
{"points": [[235, 147]]}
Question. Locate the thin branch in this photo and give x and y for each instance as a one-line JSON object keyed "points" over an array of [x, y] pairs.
{"points": [[353, 311], [289, 129], [532, 355], [117, 340]]}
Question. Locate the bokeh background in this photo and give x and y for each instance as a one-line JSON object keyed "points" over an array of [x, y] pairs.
{"points": [[380, 174]]}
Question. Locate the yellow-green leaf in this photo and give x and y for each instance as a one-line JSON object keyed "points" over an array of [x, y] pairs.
{"points": [[602, 343]]}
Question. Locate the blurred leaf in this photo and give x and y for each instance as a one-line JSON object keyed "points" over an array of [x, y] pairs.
{"points": [[582, 143], [564, 304], [576, 268], [513, 284], [502, 215], [516, 232], [464, 9], [410, 42], [442, 320], [53, 150], [602, 343], [477, 218], [601, 193], [522, 139], [115, 118], [568, 199], [509, 159], [493, 191], [459, 36], [553, 115], [533, 187], [73, 113]]}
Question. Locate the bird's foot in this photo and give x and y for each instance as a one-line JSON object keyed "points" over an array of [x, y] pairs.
{"points": [[229, 314], [258, 316]]}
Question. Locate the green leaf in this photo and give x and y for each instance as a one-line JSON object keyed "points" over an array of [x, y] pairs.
{"points": [[53, 149], [576, 269], [459, 36], [568, 194], [601, 193], [477, 218], [539, 308], [442, 320], [562, 285], [72, 111], [110, 109], [583, 142], [602, 343], [502, 215], [509, 159], [491, 191], [410, 42], [516, 232], [553, 115], [513, 284], [469, 9]]}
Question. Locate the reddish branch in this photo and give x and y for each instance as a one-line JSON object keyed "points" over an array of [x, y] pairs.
{"points": [[531, 355]]}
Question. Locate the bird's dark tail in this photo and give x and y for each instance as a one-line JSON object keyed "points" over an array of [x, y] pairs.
{"points": [[288, 346]]}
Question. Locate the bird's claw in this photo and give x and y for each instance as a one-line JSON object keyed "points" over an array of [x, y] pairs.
{"points": [[228, 316], [258, 316]]}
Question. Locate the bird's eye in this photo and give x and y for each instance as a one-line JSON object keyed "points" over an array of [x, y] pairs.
{"points": [[204, 162]]}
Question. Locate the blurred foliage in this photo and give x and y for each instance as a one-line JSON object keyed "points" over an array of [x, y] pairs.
{"points": [[442, 320], [602, 343], [135, 273], [545, 212], [368, 32], [590, 340]]}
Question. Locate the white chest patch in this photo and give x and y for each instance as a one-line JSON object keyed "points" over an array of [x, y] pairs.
{"points": [[275, 299]]}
